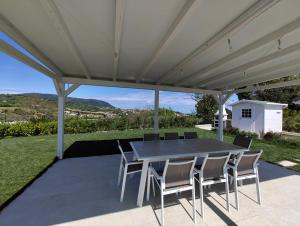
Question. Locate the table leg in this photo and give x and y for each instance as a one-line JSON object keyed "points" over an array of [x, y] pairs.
{"points": [[142, 183]]}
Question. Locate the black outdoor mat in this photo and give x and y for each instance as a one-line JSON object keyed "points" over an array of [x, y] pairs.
{"points": [[97, 147]]}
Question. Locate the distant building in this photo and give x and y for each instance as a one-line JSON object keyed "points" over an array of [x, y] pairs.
{"points": [[257, 116], [216, 118], [297, 102]]}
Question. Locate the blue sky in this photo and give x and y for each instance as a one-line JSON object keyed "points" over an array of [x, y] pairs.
{"points": [[16, 77]]}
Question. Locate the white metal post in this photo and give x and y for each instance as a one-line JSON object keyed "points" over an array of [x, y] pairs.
{"points": [[60, 122], [220, 119], [156, 111]]}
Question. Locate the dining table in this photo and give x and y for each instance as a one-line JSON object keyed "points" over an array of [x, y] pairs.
{"points": [[162, 150]]}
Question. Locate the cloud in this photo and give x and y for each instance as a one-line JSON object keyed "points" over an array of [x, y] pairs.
{"points": [[144, 99], [11, 91]]}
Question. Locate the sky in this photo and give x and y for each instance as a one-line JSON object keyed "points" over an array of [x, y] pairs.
{"points": [[16, 77]]}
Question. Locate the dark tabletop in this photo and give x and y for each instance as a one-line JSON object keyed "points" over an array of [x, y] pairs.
{"points": [[165, 149]]}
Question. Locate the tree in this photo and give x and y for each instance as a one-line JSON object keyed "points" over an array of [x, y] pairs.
{"points": [[206, 106], [282, 95]]}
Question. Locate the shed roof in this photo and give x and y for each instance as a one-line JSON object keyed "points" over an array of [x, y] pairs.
{"points": [[190, 46], [258, 102], [297, 102]]}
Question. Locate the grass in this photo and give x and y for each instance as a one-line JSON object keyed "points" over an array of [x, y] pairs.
{"points": [[22, 158]]}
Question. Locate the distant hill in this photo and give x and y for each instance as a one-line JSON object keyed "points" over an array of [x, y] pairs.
{"points": [[19, 107], [72, 102]]}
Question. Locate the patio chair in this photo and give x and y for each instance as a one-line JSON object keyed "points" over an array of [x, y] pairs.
{"points": [[212, 171], [245, 168], [241, 141], [128, 167], [190, 135], [177, 176], [151, 136], [171, 136]]}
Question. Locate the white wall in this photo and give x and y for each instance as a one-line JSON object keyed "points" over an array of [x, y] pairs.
{"points": [[265, 118], [255, 124], [273, 119]]}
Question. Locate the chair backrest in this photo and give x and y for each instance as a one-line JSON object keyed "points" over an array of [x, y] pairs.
{"points": [[214, 166], [151, 136], [242, 141], [247, 161], [190, 135], [171, 136], [122, 152], [178, 172]]}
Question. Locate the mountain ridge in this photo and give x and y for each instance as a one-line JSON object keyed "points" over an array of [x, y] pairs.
{"points": [[27, 106]]}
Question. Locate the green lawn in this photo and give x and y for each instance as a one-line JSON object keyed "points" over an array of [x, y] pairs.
{"points": [[22, 158]]}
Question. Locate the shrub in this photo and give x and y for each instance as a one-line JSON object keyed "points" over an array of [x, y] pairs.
{"points": [[235, 131], [272, 135], [291, 120]]}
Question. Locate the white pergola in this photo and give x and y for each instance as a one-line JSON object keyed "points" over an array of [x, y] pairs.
{"points": [[195, 46]]}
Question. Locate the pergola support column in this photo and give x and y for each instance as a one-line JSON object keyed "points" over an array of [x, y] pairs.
{"points": [[220, 123], [61, 93], [156, 111], [221, 99], [60, 121]]}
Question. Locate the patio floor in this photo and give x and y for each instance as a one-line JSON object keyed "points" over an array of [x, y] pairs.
{"points": [[83, 191]]}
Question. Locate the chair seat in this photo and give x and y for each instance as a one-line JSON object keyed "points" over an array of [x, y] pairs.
{"points": [[178, 187], [172, 185], [241, 173], [210, 178], [134, 166]]}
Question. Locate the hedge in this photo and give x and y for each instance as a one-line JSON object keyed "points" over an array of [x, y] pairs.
{"points": [[77, 125]]}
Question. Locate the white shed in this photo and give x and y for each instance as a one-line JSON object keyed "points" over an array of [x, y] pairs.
{"points": [[257, 116]]}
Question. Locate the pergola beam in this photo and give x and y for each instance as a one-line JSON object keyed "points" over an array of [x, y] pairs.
{"points": [[264, 73], [9, 29], [13, 52], [265, 78], [175, 28], [227, 75], [59, 23], [119, 19], [253, 11], [134, 85], [279, 33], [295, 82], [269, 77], [71, 89]]}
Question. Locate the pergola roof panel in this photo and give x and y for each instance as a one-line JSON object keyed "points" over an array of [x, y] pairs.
{"points": [[145, 24], [196, 31], [92, 28], [30, 19]]}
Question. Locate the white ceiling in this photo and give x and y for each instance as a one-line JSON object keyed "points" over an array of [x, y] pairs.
{"points": [[79, 38]]}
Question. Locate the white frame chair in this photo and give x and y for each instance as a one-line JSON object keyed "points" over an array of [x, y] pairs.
{"points": [[128, 167], [161, 182], [236, 168], [223, 178]]}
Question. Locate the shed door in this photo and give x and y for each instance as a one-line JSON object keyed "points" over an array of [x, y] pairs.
{"points": [[246, 122]]}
